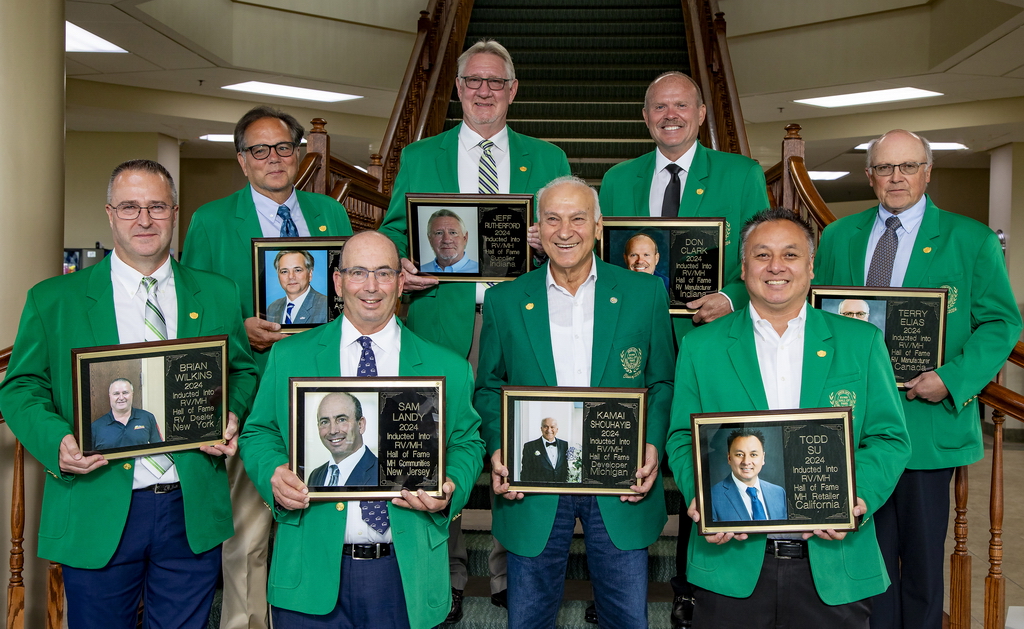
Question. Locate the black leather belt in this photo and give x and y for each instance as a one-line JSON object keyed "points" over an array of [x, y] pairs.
{"points": [[787, 548], [366, 551], [164, 488]]}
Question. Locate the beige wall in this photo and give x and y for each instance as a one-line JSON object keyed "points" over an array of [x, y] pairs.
{"points": [[90, 158], [202, 181], [961, 190]]}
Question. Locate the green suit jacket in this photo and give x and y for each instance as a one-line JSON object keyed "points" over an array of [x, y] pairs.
{"points": [[718, 371], [219, 238], [306, 567], [630, 311], [444, 315], [84, 515], [982, 325], [718, 184]]}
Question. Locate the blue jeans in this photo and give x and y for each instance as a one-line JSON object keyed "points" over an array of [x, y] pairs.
{"points": [[619, 577]]}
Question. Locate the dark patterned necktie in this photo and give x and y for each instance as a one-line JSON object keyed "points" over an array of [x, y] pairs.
{"points": [[880, 271], [670, 203], [288, 228], [288, 315], [756, 509], [375, 512], [333, 482]]}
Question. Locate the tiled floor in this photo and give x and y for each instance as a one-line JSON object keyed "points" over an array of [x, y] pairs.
{"points": [[979, 479]]}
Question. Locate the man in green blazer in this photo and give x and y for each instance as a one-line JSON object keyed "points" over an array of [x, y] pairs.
{"points": [[537, 331], [779, 353], [317, 578], [92, 521], [707, 183], [451, 162], [219, 239], [715, 184], [935, 249]]}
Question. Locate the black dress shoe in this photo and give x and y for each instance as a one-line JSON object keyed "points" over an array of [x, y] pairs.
{"points": [[682, 612], [500, 599], [456, 614], [591, 614]]}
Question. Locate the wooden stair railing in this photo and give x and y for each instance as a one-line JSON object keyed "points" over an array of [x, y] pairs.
{"points": [[711, 67]]}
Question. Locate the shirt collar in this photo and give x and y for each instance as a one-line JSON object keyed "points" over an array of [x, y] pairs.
{"points": [[910, 218], [685, 160], [132, 279], [743, 486], [592, 277], [470, 139], [386, 340], [267, 207], [762, 325]]}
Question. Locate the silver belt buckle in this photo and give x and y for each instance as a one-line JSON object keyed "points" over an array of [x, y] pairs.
{"points": [[376, 553], [775, 549]]}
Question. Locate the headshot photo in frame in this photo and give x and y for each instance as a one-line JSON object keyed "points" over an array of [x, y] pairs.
{"points": [[451, 237], [870, 310], [367, 437], [150, 398], [774, 471], [293, 281]]}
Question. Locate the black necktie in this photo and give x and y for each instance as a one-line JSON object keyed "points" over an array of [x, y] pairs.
{"points": [[670, 204]]}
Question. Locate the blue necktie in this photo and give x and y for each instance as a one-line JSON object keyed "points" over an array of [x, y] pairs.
{"points": [[375, 512], [334, 476], [288, 315], [755, 505], [288, 228]]}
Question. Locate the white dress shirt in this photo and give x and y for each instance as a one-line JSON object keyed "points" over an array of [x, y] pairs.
{"points": [[781, 359], [130, 312], [469, 169], [571, 321], [551, 451], [661, 177], [270, 222], [745, 497], [906, 234], [386, 346]]}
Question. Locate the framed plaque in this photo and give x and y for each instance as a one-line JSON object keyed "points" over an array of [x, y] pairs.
{"points": [[356, 438], [598, 435], [912, 321], [800, 464], [686, 253], [150, 398], [470, 237], [293, 281]]}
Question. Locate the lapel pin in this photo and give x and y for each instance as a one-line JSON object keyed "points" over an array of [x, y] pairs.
{"points": [[615, 300], [700, 190], [821, 353], [522, 169], [927, 249], [127, 466], [323, 228], [193, 315], [529, 306]]}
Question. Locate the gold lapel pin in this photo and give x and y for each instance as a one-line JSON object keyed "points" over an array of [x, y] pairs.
{"points": [[522, 169], [529, 306], [193, 315], [615, 300], [323, 228], [927, 249], [821, 353], [700, 190]]}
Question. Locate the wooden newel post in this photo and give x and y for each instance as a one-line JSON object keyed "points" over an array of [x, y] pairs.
{"points": [[792, 145], [960, 560], [16, 586], [376, 169], [995, 585], [319, 142]]}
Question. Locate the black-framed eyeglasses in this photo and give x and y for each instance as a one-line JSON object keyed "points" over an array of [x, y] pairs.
{"points": [[474, 82], [157, 211], [262, 151], [907, 168], [360, 274]]}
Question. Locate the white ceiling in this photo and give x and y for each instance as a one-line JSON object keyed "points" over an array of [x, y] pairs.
{"points": [[970, 50]]}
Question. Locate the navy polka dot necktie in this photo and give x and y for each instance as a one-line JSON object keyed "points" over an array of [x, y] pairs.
{"points": [[375, 512]]}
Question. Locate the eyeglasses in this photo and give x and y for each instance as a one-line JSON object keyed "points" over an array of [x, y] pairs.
{"points": [[262, 151], [157, 211], [907, 168], [359, 274], [474, 82]]}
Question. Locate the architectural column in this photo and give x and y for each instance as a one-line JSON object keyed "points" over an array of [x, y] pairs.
{"points": [[1006, 213], [31, 222]]}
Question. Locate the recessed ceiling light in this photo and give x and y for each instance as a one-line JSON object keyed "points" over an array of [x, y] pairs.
{"points": [[936, 146], [867, 98], [77, 39], [218, 137], [827, 175], [288, 91]]}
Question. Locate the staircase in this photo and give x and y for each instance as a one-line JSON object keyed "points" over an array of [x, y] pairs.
{"points": [[583, 67]]}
